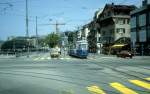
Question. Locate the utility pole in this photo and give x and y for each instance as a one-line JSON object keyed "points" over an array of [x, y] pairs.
{"points": [[36, 34], [27, 30]]}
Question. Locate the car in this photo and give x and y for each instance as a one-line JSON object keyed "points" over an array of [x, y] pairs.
{"points": [[125, 54], [54, 53]]}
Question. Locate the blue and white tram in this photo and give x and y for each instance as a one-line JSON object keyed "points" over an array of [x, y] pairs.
{"points": [[80, 50]]}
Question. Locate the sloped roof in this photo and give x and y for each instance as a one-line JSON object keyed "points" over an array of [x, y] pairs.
{"points": [[121, 7], [114, 7]]}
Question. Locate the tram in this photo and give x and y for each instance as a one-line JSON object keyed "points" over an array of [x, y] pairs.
{"points": [[80, 50]]}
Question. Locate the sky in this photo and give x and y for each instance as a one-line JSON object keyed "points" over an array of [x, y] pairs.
{"points": [[74, 13]]}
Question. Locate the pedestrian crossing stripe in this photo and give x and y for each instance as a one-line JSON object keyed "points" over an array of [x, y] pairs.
{"points": [[141, 83], [42, 58], [95, 90], [148, 79], [61, 58], [37, 58], [123, 89], [48, 58]]}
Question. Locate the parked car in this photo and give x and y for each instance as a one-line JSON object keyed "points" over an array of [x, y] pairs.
{"points": [[125, 54], [54, 53]]}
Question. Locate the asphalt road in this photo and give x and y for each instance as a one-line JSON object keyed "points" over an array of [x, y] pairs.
{"points": [[95, 75]]}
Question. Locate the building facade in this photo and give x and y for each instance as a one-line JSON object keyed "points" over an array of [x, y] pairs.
{"points": [[140, 29], [95, 45], [115, 22], [82, 33]]}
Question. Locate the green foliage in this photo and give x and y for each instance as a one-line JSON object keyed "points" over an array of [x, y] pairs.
{"points": [[92, 41], [41, 42], [15, 44], [52, 40], [71, 37]]}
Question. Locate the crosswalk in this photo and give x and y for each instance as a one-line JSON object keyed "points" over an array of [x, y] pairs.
{"points": [[49, 58], [95, 90], [123, 89], [145, 85], [148, 79], [141, 83]]}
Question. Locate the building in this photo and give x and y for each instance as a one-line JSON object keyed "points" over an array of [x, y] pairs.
{"points": [[82, 33], [114, 23], [96, 29], [64, 39], [1, 43], [79, 35], [31, 41], [85, 31], [93, 36], [140, 29]]}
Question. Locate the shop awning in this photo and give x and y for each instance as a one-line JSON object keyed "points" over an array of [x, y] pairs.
{"points": [[118, 45]]}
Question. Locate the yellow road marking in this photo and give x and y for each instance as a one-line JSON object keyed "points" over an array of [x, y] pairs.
{"points": [[95, 90], [141, 83], [122, 88], [148, 79]]}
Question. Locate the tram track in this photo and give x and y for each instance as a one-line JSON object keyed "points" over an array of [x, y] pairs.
{"points": [[113, 68]]}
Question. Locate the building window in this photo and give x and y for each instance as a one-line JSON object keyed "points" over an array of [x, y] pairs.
{"points": [[128, 21], [148, 1], [103, 32], [142, 20], [109, 13], [133, 36], [148, 33], [142, 35], [120, 21], [133, 22], [149, 17], [120, 30]]}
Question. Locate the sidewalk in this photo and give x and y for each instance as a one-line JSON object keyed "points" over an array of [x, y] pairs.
{"points": [[141, 57], [95, 56], [6, 56]]}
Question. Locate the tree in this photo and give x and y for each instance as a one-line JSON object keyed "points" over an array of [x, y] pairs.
{"points": [[15, 44], [41, 42], [71, 37], [52, 40], [92, 41]]}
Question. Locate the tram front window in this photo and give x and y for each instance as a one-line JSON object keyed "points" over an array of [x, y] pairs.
{"points": [[83, 46]]}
